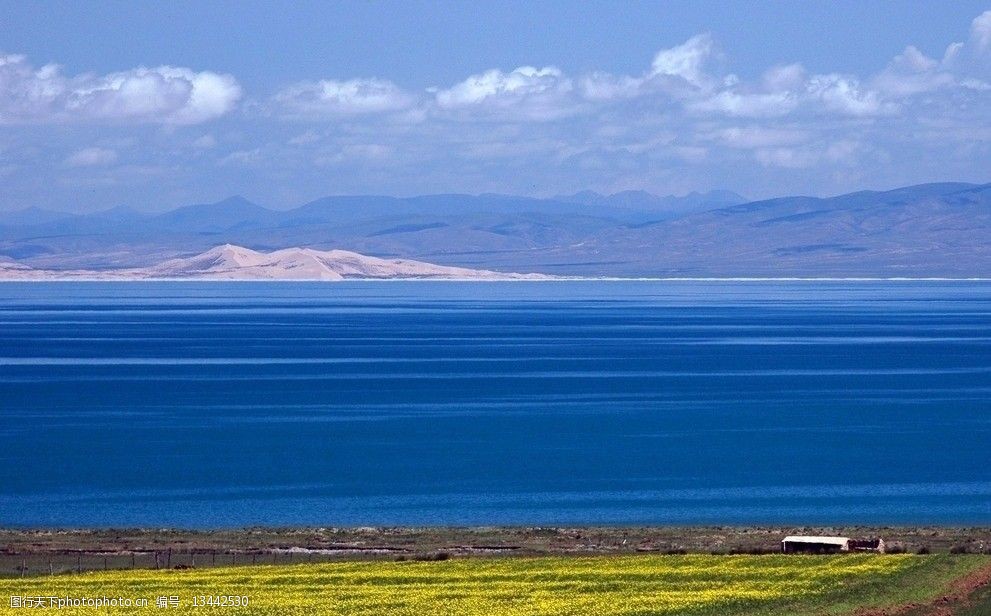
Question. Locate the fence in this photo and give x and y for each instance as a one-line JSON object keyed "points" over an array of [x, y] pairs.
{"points": [[13, 564]]}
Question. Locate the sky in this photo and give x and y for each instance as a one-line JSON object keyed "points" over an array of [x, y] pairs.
{"points": [[154, 105]]}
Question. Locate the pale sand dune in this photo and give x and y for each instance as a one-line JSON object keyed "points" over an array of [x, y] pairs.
{"points": [[230, 262]]}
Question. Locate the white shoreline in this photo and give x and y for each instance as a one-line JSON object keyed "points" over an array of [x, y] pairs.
{"points": [[549, 278]]}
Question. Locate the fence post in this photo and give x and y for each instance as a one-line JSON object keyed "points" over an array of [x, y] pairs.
{"points": [[51, 569], [168, 559], [79, 563], [24, 566]]}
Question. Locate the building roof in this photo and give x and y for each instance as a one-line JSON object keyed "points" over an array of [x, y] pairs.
{"points": [[826, 540]]}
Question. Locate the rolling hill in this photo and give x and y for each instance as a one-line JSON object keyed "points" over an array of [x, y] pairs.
{"points": [[229, 262], [928, 230]]}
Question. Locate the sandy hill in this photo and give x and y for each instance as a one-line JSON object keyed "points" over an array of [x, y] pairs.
{"points": [[230, 262]]}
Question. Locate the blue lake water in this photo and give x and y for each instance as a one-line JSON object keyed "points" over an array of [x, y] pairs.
{"points": [[427, 403]]}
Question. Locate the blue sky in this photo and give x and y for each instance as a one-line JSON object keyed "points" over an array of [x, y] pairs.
{"points": [[155, 105]]}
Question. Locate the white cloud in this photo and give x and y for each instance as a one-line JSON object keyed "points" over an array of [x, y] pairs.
{"points": [[951, 56], [749, 137], [914, 61], [205, 142], [679, 78], [843, 151], [788, 158], [846, 95], [495, 85], [749, 105], [246, 158], [210, 96], [91, 157], [603, 86], [980, 32], [675, 72], [686, 60], [788, 77], [786, 90], [690, 153], [356, 153], [912, 72], [681, 74], [354, 96], [161, 95], [526, 92], [975, 84], [681, 113], [973, 58], [305, 138]]}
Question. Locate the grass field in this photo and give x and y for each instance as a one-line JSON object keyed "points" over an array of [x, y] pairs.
{"points": [[617, 585]]}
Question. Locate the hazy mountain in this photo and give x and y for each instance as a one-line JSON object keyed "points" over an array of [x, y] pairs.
{"points": [[654, 206], [229, 262], [6, 263], [925, 230], [232, 213], [929, 230], [33, 216]]}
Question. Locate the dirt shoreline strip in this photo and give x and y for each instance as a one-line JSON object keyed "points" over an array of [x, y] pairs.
{"points": [[377, 542]]}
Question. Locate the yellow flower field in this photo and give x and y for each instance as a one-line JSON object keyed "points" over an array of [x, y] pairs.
{"points": [[621, 585]]}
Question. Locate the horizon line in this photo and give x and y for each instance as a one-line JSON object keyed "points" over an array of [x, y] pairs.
{"points": [[556, 197]]}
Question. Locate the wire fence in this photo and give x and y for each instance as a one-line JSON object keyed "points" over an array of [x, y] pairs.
{"points": [[13, 564]]}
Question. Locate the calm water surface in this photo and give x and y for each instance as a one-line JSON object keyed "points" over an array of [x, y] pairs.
{"points": [[399, 403]]}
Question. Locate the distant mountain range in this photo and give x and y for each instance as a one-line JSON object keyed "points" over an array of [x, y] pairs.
{"points": [[229, 262], [916, 231]]}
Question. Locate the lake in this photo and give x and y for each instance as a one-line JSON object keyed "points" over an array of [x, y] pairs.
{"points": [[207, 404]]}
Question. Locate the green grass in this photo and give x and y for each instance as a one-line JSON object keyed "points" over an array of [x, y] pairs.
{"points": [[929, 577], [980, 603], [613, 586]]}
